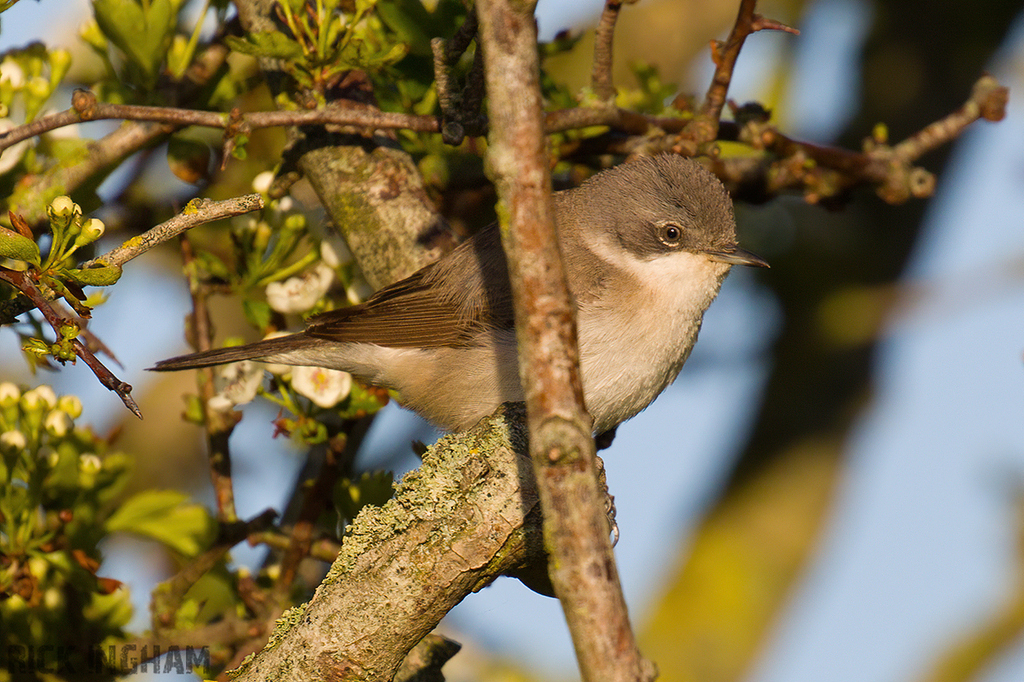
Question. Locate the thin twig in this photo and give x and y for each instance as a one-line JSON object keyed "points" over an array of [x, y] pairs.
{"points": [[219, 423], [988, 101], [23, 283], [85, 107], [197, 212], [704, 127]]}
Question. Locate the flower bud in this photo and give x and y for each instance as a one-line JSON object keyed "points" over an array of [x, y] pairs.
{"points": [[12, 442], [58, 424], [88, 463], [295, 222], [92, 230], [262, 182], [62, 211], [38, 87], [71, 405], [38, 399], [60, 62], [10, 394], [90, 32]]}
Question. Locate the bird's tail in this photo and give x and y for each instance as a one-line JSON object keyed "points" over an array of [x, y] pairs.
{"points": [[260, 350]]}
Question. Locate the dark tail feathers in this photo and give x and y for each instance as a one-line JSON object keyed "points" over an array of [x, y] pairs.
{"points": [[221, 356]]}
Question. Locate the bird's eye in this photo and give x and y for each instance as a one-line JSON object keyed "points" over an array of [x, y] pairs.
{"points": [[670, 235]]}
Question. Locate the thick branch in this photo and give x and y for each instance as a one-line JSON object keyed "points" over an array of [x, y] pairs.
{"points": [[582, 567], [454, 525]]}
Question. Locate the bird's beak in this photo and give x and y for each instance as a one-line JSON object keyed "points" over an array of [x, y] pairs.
{"points": [[738, 256]]}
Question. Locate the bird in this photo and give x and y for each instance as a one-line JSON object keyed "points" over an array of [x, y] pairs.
{"points": [[645, 245]]}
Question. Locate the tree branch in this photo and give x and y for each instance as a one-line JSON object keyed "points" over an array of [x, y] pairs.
{"points": [[582, 566], [197, 212], [704, 127], [467, 515]]}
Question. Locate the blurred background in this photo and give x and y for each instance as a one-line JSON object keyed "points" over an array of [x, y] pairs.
{"points": [[832, 488]]}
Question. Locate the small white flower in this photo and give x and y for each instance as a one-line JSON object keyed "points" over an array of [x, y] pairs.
{"points": [[299, 294], [240, 381], [325, 387], [261, 183], [12, 441], [58, 423], [11, 72], [219, 403], [285, 204]]}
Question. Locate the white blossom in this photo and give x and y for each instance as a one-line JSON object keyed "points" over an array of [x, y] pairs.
{"points": [[11, 72], [261, 183], [325, 387], [299, 294], [239, 382]]}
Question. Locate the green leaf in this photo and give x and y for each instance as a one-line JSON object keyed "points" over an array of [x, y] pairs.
{"points": [[411, 21], [257, 313], [95, 277], [271, 44], [168, 517], [13, 245], [144, 35]]}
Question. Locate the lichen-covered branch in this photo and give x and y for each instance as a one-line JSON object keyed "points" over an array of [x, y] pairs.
{"points": [[197, 212], [454, 525]]}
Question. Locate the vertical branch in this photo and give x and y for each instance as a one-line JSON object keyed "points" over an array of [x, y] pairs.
{"points": [[725, 61], [704, 127], [601, 71], [581, 565], [219, 424]]}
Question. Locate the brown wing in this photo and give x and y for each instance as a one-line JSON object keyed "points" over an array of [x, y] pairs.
{"points": [[448, 303]]}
